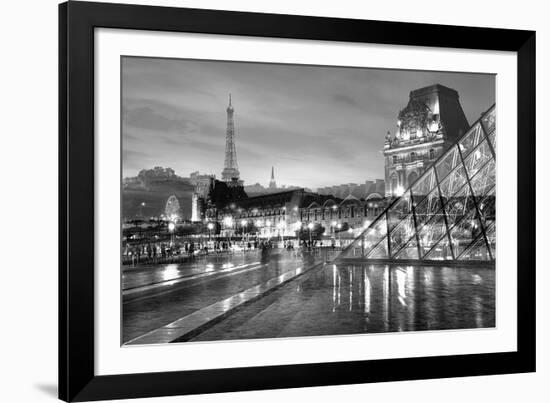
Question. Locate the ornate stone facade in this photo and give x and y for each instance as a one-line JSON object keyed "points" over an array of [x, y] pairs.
{"points": [[432, 120]]}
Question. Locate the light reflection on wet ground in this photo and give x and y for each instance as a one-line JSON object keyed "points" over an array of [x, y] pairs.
{"points": [[156, 295], [366, 298]]}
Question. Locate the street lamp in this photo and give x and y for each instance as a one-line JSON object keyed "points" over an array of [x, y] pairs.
{"points": [[339, 226], [281, 227], [243, 226], [259, 224], [171, 228], [142, 204], [210, 226], [310, 227], [228, 223], [268, 227]]}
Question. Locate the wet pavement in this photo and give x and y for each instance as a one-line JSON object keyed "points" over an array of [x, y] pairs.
{"points": [[366, 298], [155, 296]]}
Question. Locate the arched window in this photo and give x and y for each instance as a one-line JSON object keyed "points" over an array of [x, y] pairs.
{"points": [[394, 184], [432, 153], [413, 155], [395, 159]]}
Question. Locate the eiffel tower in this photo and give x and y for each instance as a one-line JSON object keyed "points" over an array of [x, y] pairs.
{"points": [[230, 171]]}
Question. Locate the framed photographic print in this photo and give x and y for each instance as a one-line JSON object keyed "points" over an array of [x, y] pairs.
{"points": [[258, 201]]}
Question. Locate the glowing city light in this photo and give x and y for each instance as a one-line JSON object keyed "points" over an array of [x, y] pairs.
{"points": [[210, 225], [310, 226], [228, 221], [171, 226], [243, 223]]}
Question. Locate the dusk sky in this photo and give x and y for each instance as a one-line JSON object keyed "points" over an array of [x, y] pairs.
{"points": [[317, 126]]}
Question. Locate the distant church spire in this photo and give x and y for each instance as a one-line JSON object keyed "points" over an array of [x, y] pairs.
{"points": [[230, 169], [272, 183]]}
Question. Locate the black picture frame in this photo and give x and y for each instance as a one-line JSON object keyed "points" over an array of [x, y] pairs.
{"points": [[77, 379]]}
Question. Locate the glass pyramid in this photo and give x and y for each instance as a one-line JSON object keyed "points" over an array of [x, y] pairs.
{"points": [[448, 213]]}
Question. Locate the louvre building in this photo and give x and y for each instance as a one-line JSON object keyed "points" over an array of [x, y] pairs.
{"points": [[448, 213]]}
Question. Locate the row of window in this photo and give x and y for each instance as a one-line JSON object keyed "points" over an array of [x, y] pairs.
{"points": [[351, 212], [412, 156]]}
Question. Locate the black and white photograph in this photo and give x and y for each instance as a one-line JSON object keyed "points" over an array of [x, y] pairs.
{"points": [[291, 201], [264, 200]]}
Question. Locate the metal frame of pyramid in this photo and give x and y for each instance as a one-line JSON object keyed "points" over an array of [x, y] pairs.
{"points": [[447, 214]]}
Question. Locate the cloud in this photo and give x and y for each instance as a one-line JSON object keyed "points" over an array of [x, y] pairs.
{"points": [[345, 100], [316, 125]]}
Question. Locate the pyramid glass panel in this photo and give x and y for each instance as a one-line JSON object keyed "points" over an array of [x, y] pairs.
{"points": [[470, 140], [477, 250], [490, 234], [401, 208], [446, 163], [465, 231], [486, 208], [380, 251], [449, 211], [376, 231], [492, 139], [459, 205], [409, 251], [488, 120], [440, 251], [424, 185], [453, 182], [478, 158], [484, 180], [401, 234], [432, 232], [427, 207]]}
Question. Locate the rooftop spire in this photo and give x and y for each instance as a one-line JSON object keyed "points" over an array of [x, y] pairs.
{"points": [[272, 183], [229, 99]]}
